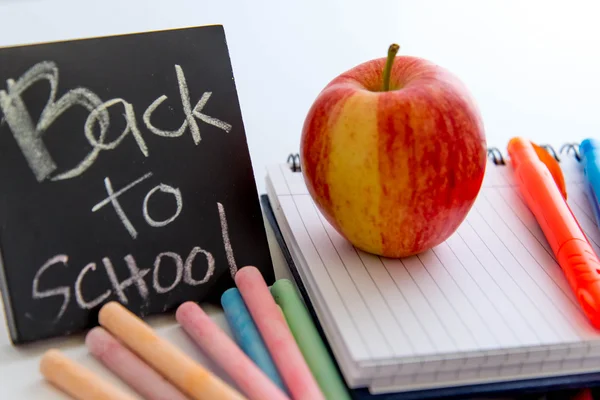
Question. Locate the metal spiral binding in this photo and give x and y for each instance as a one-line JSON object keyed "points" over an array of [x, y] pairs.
{"points": [[496, 155], [571, 147], [567, 148], [293, 161], [492, 152], [550, 150]]}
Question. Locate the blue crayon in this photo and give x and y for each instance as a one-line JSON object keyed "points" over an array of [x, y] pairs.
{"points": [[247, 336]]}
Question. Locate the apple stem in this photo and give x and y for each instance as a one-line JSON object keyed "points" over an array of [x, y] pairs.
{"points": [[392, 51]]}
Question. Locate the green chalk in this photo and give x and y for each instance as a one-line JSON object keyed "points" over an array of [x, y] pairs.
{"points": [[309, 341]]}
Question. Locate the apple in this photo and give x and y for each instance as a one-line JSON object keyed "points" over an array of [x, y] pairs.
{"points": [[393, 153]]}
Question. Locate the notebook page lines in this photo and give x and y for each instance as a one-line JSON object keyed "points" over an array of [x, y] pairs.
{"points": [[428, 293], [577, 192], [473, 291], [510, 313], [473, 318], [496, 176], [478, 237], [477, 257], [294, 180], [515, 200], [422, 309], [419, 337], [455, 328], [525, 224], [533, 270], [527, 269], [494, 284], [579, 206], [381, 331], [527, 229], [357, 345], [340, 312], [277, 180], [509, 208]]}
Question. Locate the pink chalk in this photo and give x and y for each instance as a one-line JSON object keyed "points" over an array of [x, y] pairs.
{"points": [[226, 353], [131, 369], [278, 338]]}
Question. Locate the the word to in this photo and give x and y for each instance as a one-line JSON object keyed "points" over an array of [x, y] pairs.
{"points": [[113, 199]]}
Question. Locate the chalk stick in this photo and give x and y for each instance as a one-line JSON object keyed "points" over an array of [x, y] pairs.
{"points": [[76, 380], [226, 353], [182, 371], [129, 367], [280, 342], [309, 341], [247, 336]]}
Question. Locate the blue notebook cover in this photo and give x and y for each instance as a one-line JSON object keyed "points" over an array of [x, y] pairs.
{"points": [[563, 387]]}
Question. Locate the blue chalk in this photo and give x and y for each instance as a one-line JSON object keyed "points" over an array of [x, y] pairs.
{"points": [[247, 336]]}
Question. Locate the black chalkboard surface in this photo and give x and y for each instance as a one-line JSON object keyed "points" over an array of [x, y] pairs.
{"points": [[125, 175]]}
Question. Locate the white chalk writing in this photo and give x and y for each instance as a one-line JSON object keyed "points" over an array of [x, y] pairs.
{"points": [[136, 278], [112, 198], [29, 136], [165, 189], [227, 241], [59, 291], [87, 305], [209, 120], [155, 275], [161, 132], [130, 127], [187, 269], [184, 271]]}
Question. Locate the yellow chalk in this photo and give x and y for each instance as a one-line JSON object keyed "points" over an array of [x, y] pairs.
{"points": [[76, 380], [183, 372]]}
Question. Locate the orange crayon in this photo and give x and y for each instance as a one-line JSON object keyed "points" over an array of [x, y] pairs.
{"points": [[183, 372], [76, 380]]}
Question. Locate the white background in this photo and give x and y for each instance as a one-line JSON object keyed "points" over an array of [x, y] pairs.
{"points": [[533, 67]]}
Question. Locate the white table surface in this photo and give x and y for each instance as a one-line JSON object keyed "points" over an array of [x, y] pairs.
{"points": [[533, 67]]}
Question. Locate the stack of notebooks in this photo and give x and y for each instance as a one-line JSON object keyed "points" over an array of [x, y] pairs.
{"points": [[488, 310]]}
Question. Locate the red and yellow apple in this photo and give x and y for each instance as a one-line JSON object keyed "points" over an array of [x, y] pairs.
{"points": [[393, 153]]}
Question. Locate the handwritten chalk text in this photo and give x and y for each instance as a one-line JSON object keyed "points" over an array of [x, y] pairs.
{"points": [[29, 135], [113, 199]]}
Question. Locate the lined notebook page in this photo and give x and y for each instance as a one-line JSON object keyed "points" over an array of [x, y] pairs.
{"points": [[493, 285]]}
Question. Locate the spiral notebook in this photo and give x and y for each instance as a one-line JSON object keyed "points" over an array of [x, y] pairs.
{"points": [[489, 305]]}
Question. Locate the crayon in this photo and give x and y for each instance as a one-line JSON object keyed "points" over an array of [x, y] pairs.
{"points": [[76, 380], [311, 345], [280, 342], [129, 367], [187, 375], [225, 353], [246, 334]]}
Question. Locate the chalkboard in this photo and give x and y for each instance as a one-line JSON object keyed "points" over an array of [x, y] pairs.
{"points": [[125, 175]]}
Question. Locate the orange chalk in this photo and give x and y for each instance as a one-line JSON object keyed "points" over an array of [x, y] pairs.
{"points": [[76, 380], [182, 371]]}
